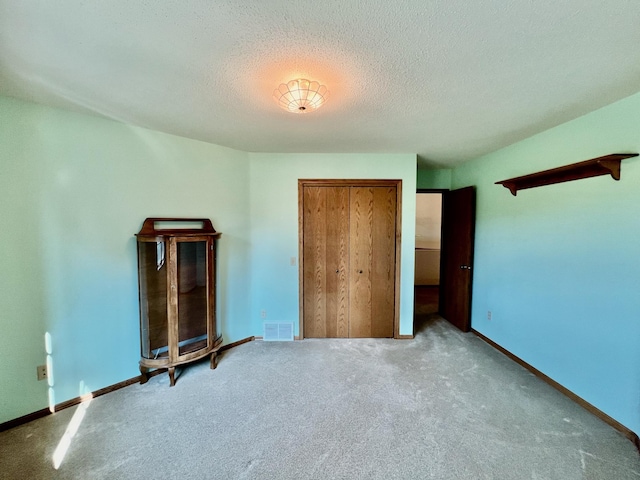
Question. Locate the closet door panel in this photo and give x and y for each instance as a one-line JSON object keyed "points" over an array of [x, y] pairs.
{"points": [[383, 261], [360, 260], [337, 262], [325, 231], [372, 259]]}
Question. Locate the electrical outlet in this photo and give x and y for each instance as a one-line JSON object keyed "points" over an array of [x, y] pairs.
{"points": [[488, 314], [42, 372], [293, 261], [263, 314]]}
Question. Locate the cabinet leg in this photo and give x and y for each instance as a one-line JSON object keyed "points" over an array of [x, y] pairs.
{"points": [[172, 376], [214, 360], [144, 378]]}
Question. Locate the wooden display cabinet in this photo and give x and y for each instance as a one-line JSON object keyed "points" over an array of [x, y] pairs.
{"points": [[177, 286]]}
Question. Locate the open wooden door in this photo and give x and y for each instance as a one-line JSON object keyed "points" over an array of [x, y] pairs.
{"points": [[458, 227]]}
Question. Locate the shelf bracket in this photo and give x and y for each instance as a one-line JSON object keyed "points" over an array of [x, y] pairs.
{"points": [[613, 166]]}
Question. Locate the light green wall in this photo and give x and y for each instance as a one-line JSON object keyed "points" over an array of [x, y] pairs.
{"points": [[274, 225], [558, 265], [76, 189], [22, 304], [436, 178]]}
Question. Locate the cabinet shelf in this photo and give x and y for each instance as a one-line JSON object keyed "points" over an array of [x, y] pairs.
{"points": [[607, 165]]}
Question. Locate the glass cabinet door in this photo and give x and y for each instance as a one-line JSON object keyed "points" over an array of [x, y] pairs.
{"points": [[153, 299], [192, 296]]}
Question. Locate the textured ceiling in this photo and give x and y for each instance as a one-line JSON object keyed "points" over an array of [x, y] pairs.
{"points": [[446, 79]]}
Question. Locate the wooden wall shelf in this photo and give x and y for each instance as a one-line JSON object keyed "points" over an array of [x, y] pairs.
{"points": [[607, 165]]}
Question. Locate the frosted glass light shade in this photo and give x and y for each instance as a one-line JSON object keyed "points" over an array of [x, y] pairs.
{"points": [[300, 96]]}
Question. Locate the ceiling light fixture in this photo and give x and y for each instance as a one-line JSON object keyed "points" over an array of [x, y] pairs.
{"points": [[300, 95]]}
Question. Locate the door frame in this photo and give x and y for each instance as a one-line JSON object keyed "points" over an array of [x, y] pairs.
{"points": [[321, 182]]}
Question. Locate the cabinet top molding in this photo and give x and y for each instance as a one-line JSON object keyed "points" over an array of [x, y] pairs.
{"points": [[607, 165], [184, 227]]}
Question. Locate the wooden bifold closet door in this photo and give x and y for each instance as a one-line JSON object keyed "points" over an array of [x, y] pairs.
{"points": [[348, 235]]}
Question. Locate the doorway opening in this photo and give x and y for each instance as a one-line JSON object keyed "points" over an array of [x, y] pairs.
{"points": [[427, 256]]}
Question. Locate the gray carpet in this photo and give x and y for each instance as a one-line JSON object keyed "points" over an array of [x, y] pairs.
{"points": [[442, 406]]}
